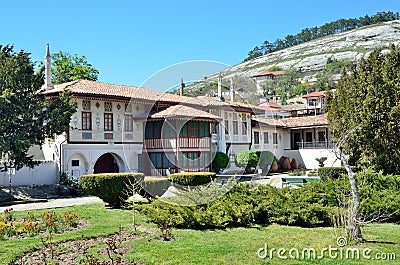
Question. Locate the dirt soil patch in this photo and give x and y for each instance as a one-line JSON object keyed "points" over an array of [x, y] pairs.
{"points": [[97, 251]]}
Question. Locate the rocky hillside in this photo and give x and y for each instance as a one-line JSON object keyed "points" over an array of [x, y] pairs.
{"points": [[310, 58]]}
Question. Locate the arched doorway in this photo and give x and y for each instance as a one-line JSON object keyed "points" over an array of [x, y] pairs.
{"points": [[107, 163]]}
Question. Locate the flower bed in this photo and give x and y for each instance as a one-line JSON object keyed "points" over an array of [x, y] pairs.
{"points": [[34, 224]]}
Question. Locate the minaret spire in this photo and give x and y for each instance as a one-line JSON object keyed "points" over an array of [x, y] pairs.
{"points": [[47, 74]]}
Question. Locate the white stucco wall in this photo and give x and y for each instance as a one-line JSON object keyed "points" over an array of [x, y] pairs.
{"points": [[43, 174], [88, 154], [97, 133], [308, 157]]}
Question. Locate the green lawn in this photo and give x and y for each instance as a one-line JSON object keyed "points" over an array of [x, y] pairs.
{"points": [[230, 246]]}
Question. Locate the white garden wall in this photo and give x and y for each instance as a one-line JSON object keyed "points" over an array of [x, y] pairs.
{"points": [[43, 174]]}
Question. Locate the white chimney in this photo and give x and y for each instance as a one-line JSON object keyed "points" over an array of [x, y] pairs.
{"points": [[232, 92], [47, 74], [219, 85], [181, 87]]}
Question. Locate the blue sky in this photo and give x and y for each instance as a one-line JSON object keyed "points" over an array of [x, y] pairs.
{"points": [[130, 41]]}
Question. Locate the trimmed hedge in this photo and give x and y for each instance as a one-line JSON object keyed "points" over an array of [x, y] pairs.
{"points": [[110, 187], [192, 178], [155, 186]]}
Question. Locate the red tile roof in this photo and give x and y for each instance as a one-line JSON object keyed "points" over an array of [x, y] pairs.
{"points": [[295, 122], [183, 112], [271, 107], [94, 88], [315, 94], [306, 121], [274, 73]]}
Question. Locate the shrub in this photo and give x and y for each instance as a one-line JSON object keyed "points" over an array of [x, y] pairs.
{"points": [[155, 186], [313, 204], [191, 178], [326, 173], [220, 161], [110, 187], [265, 158], [247, 159]]}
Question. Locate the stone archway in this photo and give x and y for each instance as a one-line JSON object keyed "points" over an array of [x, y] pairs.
{"points": [[108, 163]]}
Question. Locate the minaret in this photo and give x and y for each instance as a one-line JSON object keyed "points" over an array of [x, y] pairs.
{"points": [[181, 87], [219, 85], [232, 92], [47, 74]]}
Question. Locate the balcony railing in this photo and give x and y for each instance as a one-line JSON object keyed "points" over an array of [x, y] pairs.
{"points": [[315, 145], [163, 171], [182, 142]]}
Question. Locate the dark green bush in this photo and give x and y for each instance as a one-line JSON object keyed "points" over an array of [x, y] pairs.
{"points": [[331, 172], [265, 158], [311, 205], [220, 161], [379, 195], [247, 159], [155, 186], [191, 178], [110, 187]]}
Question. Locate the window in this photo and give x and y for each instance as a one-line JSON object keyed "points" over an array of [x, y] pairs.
{"points": [[275, 138], [194, 129], [309, 137], [266, 138], [108, 106], [128, 123], [235, 116], [86, 104], [321, 137], [256, 138], [244, 128], [235, 128], [75, 163], [86, 121], [226, 127], [162, 160], [108, 122], [193, 160], [153, 130]]}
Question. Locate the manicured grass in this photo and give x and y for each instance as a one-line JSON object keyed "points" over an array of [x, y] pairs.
{"points": [[240, 245], [229, 246]]}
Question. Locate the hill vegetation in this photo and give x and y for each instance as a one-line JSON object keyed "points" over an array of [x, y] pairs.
{"points": [[313, 33]]}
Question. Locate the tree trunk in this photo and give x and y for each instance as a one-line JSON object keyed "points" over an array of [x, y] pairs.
{"points": [[354, 229]]}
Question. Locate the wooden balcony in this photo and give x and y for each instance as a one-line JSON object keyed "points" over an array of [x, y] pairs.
{"points": [[182, 142]]}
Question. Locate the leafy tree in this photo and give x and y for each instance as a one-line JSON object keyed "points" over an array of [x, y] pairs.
{"points": [[27, 118], [367, 101], [364, 120], [66, 68]]}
